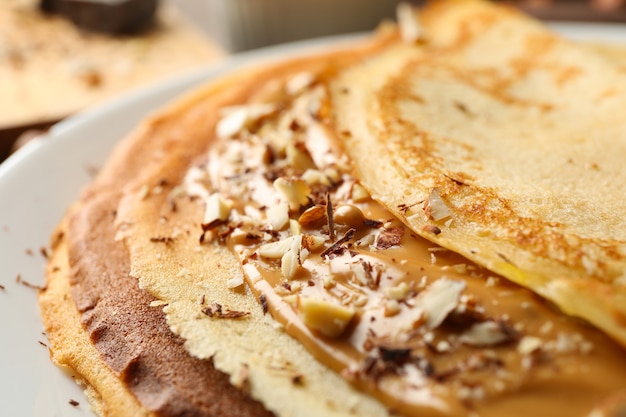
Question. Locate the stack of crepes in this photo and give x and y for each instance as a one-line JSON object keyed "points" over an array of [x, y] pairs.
{"points": [[428, 222]]}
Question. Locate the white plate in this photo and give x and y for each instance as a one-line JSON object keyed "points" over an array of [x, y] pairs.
{"points": [[42, 179]]}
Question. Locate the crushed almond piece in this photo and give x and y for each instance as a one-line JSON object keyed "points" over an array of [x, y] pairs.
{"points": [[236, 118], [235, 281], [398, 292], [278, 216], [435, 208], [349, 215], [275, 250], [313, 216], [312, 242], [295, 191], [328, 318], [392, 307], [216, 210], [291, 261], [359, 194], [298, 157], [439, 299], [315, 176], [299, 82], [528, 345], [487, 333]]}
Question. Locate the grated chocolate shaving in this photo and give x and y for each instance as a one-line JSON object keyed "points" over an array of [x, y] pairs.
{"points": [[263, 300], [337, 248], [27, 284], [216, 310], [162, 239], [431, 229], [374, 224], [390, 237], [329, 217]]}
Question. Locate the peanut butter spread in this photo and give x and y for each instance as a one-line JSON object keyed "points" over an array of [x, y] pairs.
{"points": [[419, 327]]}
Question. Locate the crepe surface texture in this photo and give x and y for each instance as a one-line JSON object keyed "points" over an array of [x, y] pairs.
{"points": [[520, 134], [262, 233]]}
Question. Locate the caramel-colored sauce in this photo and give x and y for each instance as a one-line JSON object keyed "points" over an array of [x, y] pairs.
{"points": [[416, 358]]}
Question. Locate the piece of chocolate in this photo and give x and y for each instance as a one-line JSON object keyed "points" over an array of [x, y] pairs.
{"points": [[109, 16]]}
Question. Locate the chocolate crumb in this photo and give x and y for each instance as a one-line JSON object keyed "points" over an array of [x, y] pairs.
{"points": [[42, 344], [431, 229], [173, 205], [73, 403], [374, 224], [390, 237], [216, 310], [44, 252], [263, 300], [2, 287], [297, 379], [329, 217], [27, 284], [162, 239]]}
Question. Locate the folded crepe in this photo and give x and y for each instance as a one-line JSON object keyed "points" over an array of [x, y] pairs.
{"points": [[266, 243]]}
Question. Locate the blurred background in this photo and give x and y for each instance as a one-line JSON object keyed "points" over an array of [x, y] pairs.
{"points": [[58, 57]]}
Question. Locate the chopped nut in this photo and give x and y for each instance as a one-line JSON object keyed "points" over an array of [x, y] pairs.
{"points": [[290, 261], [443, 346], [398, 292], [435, 208], [359, 194], [487, 333], [333, 174], [314, 176], [278, 216], [275, 250], [329, 281], [298, 157], [295, 227], [295, 191], [528, 345], [392, 307], [312, 242], [328, 318], [363, 273], [232, 123], [235, 281], [217, 209], [349, 215], [313, 216], [438, 300], [299, 82], [236, 118]]}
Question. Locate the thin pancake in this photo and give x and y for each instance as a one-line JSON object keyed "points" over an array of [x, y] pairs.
{"points": [[517, 135], [166, 257]]}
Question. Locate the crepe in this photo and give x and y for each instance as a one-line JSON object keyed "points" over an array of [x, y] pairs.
{"points": [[239, 214], [518, 133]]}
